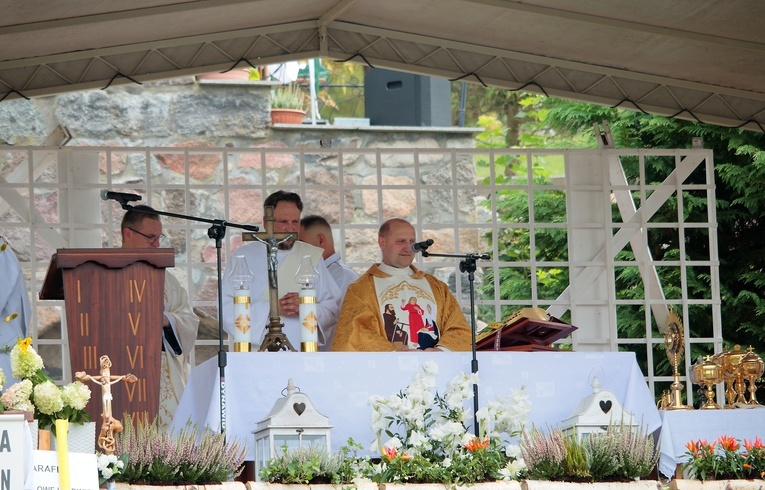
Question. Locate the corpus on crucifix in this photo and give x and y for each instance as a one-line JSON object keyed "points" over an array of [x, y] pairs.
{"points": [[275, 339], [106, 379]]}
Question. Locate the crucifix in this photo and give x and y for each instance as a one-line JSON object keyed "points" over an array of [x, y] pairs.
{"points": [[275, 339], [110, 426]]}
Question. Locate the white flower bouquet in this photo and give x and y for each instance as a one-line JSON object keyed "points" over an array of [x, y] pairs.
{"points": [[37, 392], [423, 437], [109, 466]]}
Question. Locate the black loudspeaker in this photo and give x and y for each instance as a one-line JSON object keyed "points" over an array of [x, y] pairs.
{"points": [[394, 98]]}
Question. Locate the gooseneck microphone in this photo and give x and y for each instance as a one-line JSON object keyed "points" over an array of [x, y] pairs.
{"points": [[119, 196], [422, 246]]}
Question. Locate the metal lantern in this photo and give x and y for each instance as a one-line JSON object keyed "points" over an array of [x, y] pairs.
{"points": [[595, 413], [293, 423]]}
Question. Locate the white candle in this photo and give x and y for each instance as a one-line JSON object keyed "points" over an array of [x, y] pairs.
{"points": [[242, 320], [309, 322]]}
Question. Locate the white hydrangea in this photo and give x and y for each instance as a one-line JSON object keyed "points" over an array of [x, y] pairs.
{"points": [[47, 398], [76, 395]]}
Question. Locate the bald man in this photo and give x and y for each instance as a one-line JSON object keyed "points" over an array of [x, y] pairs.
{"points": [[396, 307]]}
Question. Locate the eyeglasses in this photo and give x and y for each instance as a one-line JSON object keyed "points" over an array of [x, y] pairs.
{"points": [[149, 238]]}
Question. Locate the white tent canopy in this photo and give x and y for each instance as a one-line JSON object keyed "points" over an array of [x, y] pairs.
{"points": [[689, 58]]}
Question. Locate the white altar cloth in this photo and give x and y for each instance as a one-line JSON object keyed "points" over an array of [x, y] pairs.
{"points": [[340, 384], [681, 426]]}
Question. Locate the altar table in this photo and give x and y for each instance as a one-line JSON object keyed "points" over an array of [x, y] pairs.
{"points": [[681, 426], [339, 384]]}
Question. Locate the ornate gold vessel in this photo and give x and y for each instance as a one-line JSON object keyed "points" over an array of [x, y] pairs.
{"points": [[752, 368], [709, 373], [673, 345]]}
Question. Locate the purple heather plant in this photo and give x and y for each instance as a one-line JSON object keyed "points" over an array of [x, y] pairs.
{"points": [[621, 453], [155, 456]]}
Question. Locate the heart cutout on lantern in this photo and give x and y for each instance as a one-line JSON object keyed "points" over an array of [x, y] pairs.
{"points": [[605, 405], [300, 408]]}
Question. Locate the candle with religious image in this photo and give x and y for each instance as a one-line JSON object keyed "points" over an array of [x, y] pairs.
{"points": [[307, 278], [240, 278]]}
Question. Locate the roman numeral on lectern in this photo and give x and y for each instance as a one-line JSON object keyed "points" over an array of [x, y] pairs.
{"points": [[137, 354], [141, 384]]}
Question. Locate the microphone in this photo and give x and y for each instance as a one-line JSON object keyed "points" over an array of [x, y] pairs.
{"points": [[422, 246], [121, 197]]}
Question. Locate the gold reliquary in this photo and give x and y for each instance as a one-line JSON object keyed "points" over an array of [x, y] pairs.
{"points": [[528, 329]]}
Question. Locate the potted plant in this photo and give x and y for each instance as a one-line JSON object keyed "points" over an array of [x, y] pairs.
{"points": [[153, 456], [287, 104]]}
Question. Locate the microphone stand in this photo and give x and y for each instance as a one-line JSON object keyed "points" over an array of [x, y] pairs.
{"points": [[468, 264], [217, 231]]}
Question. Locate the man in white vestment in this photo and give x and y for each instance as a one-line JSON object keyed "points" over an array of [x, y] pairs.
{"points": [[14, 301], [179, 323], [287, 209], [316, 231]]}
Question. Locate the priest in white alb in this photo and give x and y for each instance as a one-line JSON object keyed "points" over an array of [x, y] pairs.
{"points": [[179, 322], [287, 210]]}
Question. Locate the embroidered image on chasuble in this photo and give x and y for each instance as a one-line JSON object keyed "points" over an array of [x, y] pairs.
{"points": [[403, 307], [372, 313]]}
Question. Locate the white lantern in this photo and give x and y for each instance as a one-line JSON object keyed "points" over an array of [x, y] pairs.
{"points": [[596, 412], [292, 423]]}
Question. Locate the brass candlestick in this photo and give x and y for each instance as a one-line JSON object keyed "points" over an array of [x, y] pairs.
{"points": [[673, 345], [752, 368], [709, 374]]}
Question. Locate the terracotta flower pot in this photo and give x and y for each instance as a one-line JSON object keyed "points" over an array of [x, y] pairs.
{"points": [[287, 116]]}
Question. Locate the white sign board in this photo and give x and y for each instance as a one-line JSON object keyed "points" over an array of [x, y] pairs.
{"points": [[83, 472], [13, 433]]}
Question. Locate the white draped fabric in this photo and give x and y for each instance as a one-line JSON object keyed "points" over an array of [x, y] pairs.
{"points": [[14, 298], [175, 369], [340, 384]]}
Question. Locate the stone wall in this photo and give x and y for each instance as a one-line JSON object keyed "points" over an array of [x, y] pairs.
{"points": [[186, 113]]}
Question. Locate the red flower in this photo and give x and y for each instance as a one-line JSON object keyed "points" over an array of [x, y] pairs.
{"points": [[728, 443], [477, 443], [389, 453], [756, 444], [700, 448]]}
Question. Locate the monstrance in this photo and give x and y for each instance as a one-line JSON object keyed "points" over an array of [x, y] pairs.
{"points": [[673, 345]]}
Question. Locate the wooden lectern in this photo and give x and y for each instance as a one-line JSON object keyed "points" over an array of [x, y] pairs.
{"points": [[114, 300]]}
